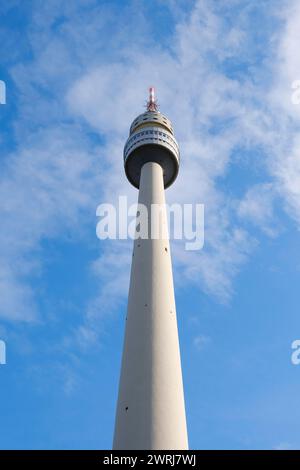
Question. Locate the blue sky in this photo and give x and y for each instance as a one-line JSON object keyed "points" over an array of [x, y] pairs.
{"points": [[77, 74]]}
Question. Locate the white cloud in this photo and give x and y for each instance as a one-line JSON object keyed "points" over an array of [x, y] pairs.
{"points": [[93, 71], [286, 170], [44, 189], [197, 96], [284, 162], [257, 207], [201, 341]]}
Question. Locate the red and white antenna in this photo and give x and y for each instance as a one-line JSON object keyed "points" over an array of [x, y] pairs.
{"points": [[152, 104]]}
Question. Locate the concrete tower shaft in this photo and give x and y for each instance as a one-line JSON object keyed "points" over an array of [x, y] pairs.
{"points": [[150, 412]]}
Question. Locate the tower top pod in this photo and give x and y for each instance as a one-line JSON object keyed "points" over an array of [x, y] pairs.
{"points": [[151, 139]]}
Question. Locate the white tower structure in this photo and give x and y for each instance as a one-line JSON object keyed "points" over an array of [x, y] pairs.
{"points": [[150, 410]]}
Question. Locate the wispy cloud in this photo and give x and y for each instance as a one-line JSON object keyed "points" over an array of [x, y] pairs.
{"points": [[88, 75], [44, 188], [201, 341], [257, 206]]}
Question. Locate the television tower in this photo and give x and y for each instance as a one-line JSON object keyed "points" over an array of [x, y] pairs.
{"points": [[150, 410]]}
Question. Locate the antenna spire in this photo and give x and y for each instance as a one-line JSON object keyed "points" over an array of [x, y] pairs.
{"points": [[152, 103]]}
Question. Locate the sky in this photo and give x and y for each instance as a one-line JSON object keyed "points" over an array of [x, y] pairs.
{"points": [[76, 76]]}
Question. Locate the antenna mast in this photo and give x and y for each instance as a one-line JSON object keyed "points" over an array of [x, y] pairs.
{"points": [[152, 103]]}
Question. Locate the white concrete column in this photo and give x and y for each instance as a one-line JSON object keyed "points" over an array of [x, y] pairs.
{"points": [[150, 411]]}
